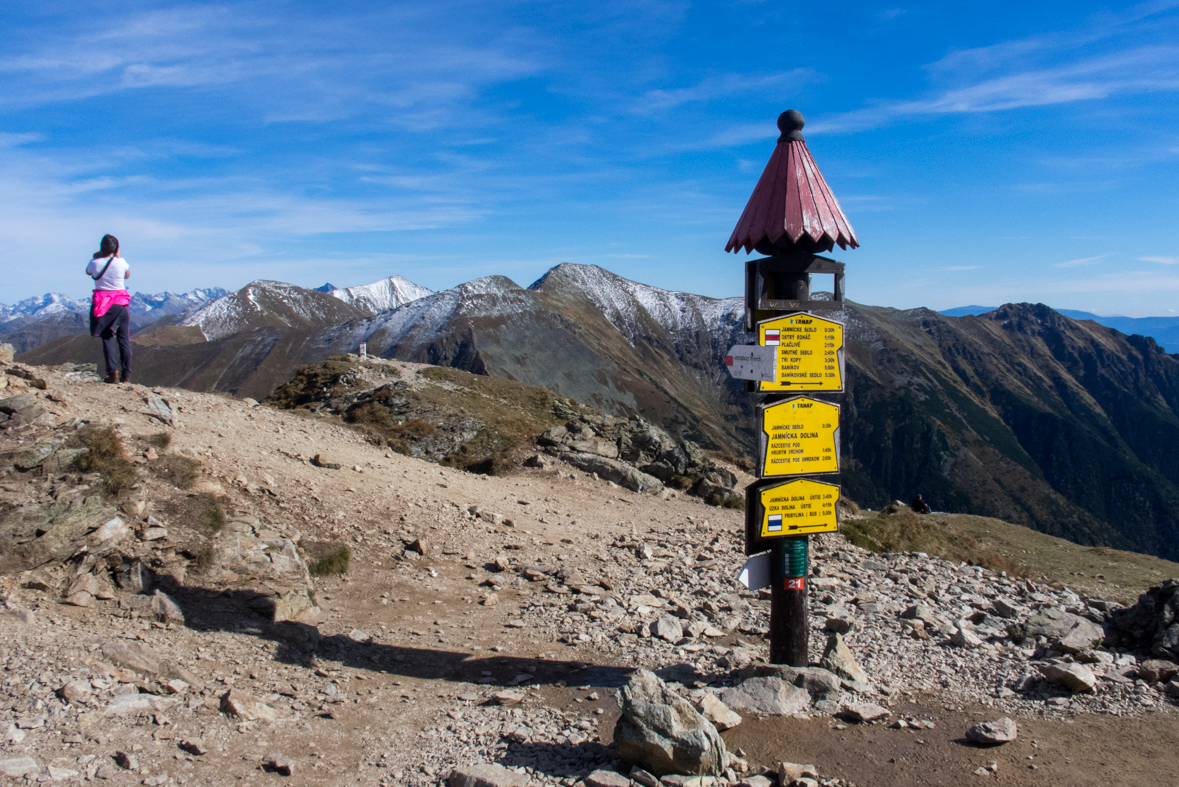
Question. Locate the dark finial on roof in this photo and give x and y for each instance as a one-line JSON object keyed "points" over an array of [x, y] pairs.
{"points": [[790, 123]]}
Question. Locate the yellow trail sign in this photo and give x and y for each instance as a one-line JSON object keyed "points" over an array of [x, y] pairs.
{"points": [[798, 508], [799, 436], [810, 352]]}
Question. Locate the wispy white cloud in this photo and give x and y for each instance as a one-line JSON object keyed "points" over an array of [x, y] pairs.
{"points": [[722, 86], [1161, 260], [1141, 70], [1109, 56], [1081, 262]]}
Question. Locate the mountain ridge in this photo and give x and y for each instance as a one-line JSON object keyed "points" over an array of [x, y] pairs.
{"points": [[1021, 413]]}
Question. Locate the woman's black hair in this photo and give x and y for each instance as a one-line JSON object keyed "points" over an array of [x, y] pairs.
{"points": [[109, 247]]}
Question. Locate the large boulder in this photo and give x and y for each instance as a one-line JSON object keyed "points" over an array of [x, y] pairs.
{"points": [[661, 733]]}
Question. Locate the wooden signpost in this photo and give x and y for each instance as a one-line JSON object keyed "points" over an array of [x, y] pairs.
{"points": [[799, 357]]}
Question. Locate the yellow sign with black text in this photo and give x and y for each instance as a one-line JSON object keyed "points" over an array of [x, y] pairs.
{"points": [[799, 436], [798, 508], [810, 352]]}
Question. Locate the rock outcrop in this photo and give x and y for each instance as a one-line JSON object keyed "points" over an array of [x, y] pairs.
{"points": [[661, 733]]}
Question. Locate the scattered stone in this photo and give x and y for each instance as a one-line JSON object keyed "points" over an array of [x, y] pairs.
{"points": [[485, 775], [756, 781], [279, 763], [509, 697], [241, 705], [668, 628], [1004, 607], [717, 712], [602, 778], [770, 696], [1074, 677], [1157, 670], [995, 732], [126, 761], [838, 658], [864, 712], [194, 746], [20, 766], [643, 778], [790, 771], [132, 655], [157, 780], [680, 780], [660, 732], [1050, 623], [1083, 635], [75, 691], [326, 461], [964, 638], [138, 705]]}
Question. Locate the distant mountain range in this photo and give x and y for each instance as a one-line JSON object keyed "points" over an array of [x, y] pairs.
{"points": [[1164, 330], [1020, 413], [34, 321]]}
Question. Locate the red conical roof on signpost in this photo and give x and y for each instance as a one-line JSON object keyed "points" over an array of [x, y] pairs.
{"points": [[792, 207]]}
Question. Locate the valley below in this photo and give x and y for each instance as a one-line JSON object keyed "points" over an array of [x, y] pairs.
{"points": [[253, 595]]}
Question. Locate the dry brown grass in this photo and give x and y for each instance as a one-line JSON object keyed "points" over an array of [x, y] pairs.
{"points": [[909, 532], [180, 471], [107, 456]]}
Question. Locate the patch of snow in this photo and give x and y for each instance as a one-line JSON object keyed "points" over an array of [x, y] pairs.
{"points": [[382, 296]]}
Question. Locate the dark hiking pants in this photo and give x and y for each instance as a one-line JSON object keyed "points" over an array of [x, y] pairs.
{"points": [[114, 328]]}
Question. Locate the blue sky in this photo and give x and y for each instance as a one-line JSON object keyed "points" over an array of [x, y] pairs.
{"points": [[1004, 152]]}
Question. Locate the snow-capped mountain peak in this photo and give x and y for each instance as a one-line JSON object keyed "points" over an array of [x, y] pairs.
{"points": [[382, 296]]}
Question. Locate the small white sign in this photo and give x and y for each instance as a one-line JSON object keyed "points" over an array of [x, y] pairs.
{"points": [[753, 362], [755, 574]]}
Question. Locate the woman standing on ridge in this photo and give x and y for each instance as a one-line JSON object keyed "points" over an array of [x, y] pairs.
{"points": [[110, 310]]}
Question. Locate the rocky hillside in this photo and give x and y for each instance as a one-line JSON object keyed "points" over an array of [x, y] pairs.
{"points": [[490, 425], [187, 597], [1021, 413]]}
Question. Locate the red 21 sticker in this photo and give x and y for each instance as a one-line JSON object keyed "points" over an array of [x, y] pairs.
{"points": [[796, 584]]}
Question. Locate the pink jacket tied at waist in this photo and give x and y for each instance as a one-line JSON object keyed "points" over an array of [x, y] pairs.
{"points": [[105, 299]]}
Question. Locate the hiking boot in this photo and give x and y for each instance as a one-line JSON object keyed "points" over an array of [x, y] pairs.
{"points": [[113, 377]]}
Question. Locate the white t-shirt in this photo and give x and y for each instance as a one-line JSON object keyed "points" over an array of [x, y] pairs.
{"points": [[115, 275]]}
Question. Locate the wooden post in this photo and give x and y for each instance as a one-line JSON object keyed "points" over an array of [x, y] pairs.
{"points": [[791, 217], [789, 612]]}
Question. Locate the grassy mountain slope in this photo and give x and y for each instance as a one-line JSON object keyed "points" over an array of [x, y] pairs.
{"points": [[1021, 414]]}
